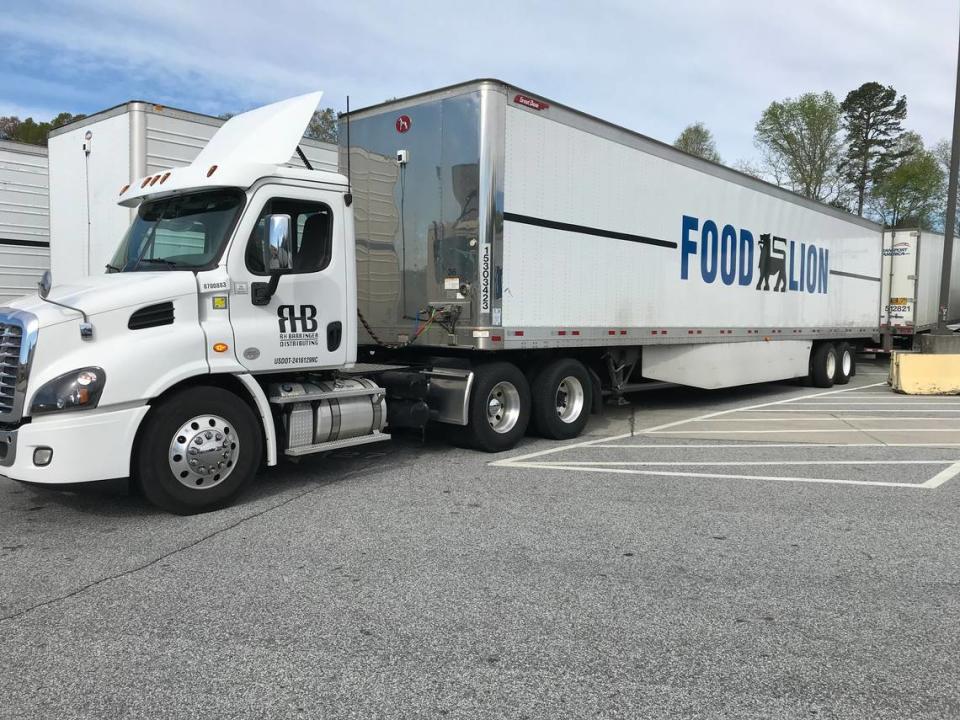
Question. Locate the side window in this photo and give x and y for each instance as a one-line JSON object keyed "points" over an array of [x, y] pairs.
{"points": [[312, 241]]}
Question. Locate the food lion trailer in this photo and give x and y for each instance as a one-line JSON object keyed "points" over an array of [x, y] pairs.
{"points": [[526, 225]]}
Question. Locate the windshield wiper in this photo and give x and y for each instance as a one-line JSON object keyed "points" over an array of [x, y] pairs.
{"points": [[171, 264], [112, 268]]}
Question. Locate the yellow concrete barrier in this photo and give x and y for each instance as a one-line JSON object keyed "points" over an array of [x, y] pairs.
{"points": [[925, 374]]}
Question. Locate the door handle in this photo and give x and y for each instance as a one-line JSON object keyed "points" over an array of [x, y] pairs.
{"points": [[334, 335]]}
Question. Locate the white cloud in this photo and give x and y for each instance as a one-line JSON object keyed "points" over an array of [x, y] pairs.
{"points": [[653, 66]]}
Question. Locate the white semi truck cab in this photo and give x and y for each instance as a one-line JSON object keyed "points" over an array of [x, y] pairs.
{"points": [[224, 332]]}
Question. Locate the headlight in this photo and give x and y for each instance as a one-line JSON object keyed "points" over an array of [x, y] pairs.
{"points": [[76, 390]]}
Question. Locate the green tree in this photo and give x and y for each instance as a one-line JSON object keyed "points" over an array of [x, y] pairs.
{"points": [[912, 193], [697, 139], [800, 138], [324, 126], [29, 130], [871, 117]]}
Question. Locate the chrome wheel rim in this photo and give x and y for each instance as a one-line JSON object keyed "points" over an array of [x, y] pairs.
{"points": [[203, 452], [847, 362], [831, 365], [503, 407], [569, 399]]}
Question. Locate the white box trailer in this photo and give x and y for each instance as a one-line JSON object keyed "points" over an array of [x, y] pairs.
{"points": [[93, 158], [540, 227], [24, 218], [912, 262]]}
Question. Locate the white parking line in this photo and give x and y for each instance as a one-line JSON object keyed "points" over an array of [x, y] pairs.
{"points": [[804, 430], [714, 476], [722, 445], [827, 415], [727, 463], [842, 410]]}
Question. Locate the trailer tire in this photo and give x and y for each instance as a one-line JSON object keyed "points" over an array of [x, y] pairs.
{"points": [[846, 363], [562, 394], [823, 365], [499, 408], [228, 445]]}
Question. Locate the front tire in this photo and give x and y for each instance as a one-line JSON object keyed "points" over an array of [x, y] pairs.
{"points": [[499, 408], [197, 450], [562, 398], [823, 365]]}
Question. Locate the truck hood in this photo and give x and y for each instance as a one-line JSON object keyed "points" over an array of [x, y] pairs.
{"points": [[102, 293]]}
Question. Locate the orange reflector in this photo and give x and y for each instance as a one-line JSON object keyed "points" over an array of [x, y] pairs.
{"points": [[154, 180], [212, 170], [164, 178], [221, 347], [124, 188], [144, 183]]}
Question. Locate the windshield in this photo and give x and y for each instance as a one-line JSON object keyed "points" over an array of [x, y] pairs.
{"points": [[182, 232]]}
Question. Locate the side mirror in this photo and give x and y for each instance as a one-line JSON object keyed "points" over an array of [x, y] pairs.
{"points": [[277, 255], [46, 282]]}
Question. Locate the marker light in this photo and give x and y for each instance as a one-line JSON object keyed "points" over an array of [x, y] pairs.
{"points": [[164, 178], [124, 188], [212, 170], [221, 347]]}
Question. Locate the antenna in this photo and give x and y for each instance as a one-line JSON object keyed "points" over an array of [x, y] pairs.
{"points": [[349, 181]]}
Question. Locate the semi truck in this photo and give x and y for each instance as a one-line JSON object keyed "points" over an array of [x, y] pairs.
{"points": [[910, 287], [24, 218], [485, 259]]}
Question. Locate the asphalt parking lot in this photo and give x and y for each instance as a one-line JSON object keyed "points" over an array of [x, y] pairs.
{"points": [[771, 551]]}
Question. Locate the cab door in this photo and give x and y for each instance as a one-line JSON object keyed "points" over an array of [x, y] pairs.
{"points": [[302, 325]]}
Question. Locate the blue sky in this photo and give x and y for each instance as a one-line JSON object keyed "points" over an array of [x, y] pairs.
{"points": [[651, 65]]}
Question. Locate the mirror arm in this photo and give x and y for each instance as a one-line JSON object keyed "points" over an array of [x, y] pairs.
{"points": [[261, 292]]}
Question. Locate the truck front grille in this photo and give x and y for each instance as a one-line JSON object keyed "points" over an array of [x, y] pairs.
{"points": [[11, 338], [18, 336]]}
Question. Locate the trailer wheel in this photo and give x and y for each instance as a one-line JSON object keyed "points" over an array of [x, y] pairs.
{"points": [[197, 450], [562, 398], [823, 365], [499, 408], [846, 363]]}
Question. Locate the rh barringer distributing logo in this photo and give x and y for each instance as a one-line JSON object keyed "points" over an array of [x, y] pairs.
{"points": [[729, 253], [298, 329]]}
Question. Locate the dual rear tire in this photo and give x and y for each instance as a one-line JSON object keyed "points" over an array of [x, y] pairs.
{"points": [[832, 364], [554, 403]]}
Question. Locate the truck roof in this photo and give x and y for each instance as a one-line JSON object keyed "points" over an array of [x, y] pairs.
{"points": [[617, 133]]}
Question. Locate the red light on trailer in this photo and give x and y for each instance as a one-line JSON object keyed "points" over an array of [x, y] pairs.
{"points": [[518, 333], [611, 332], [496, 338], [212, 170], [561, 332], [575, 332], [623, 332]]}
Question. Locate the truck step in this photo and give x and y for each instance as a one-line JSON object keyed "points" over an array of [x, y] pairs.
{"points": [[336, 444]]}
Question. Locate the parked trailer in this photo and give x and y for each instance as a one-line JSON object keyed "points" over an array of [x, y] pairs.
{"points": [[509, 261], [24, 218], [92, 158], [912, 262]]}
